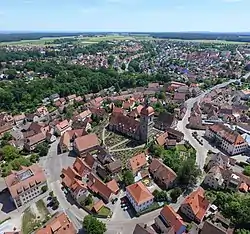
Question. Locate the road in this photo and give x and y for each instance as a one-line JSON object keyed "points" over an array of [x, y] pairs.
{"points": [[201, 150]]}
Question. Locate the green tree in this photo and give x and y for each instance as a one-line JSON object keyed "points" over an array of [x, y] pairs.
{"points": [[42, 149], [88, 200], [44, 188], [123, 67], [6, 136], [175, 193], [160, 196], [93, 226], [246, 170], [242, 231], [9, 153], [188, 173], [128, 177]]}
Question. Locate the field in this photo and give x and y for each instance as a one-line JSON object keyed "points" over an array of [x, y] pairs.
{"points": [[210, 41]]}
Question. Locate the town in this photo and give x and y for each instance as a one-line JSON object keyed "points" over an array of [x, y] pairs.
{"points": [[127, 135]]}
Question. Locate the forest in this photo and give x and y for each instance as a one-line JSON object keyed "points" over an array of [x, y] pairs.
{"points": [[20, 95]]}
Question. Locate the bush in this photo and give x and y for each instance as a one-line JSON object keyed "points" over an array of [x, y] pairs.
{"points": [[160, 196], [44, 188]]}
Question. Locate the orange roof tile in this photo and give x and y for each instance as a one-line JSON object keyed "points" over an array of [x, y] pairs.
{"points": [[138, 161], [86, 142], [139, 192], [243, 187], [197, 202], [172, 217], [113, 186], [60, 224], [98, 205]]}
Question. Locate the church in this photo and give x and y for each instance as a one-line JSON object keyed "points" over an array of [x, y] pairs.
{"points": [[130, 127]]}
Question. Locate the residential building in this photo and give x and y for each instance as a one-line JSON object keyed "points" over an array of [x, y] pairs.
{"points": [[169, 220], [214, 178], [229, 140], [54, 97], [216, 225], [67, 139], [165, 121], [5, 128], [31, 142], [86, 143], [162, 174], [195, 205], [174, 134], [137, 163], [162, 139], [42, 111], [26, 184], [18, 119], [143, 229], [114, 167], [62, 127], [220, 160], [139, 196], [59, 224]]}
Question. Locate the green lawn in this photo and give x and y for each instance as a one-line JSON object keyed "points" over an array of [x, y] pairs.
{"points": [[105, 211], [42, 208], [181, 148], [29, 222]]}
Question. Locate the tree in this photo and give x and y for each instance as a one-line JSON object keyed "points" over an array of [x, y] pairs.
{"points": [[111, 60], [9, 153], [88, 200], [93, 226], [123, 67], [34, 158], [44, 188], [6, 136], [246, 170], [188, 173], [160, 196], [128, 177], [175, 193], [242, 231], [42, 149]]}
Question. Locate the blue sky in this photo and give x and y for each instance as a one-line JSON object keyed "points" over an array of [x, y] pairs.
{"points": [[125, 15]]}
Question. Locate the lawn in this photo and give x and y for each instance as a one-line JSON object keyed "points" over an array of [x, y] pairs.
{"points": [[104, 211], [42, 208], [29, 222], [181, 148]]}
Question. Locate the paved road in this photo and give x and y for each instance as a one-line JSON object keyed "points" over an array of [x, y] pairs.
{"points": [[202, 150]]}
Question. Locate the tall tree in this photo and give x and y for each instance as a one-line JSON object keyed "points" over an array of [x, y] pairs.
{"points": [[93, 226]]}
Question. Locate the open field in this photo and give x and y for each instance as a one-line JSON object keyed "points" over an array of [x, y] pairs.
{"points": [[209, 41]]}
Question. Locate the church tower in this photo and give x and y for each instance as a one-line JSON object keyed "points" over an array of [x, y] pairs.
{"points": [[146, 121]]}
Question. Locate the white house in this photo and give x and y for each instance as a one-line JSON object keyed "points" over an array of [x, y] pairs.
{"points": [[229, 140], [214, 178], [139, 196]]}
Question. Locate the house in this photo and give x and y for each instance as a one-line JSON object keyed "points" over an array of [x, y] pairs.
{"points": [[66, 141], [100, 188], [216, 225], [5, 128], [143, 229], [113, 186], [165, 120], [71, 98], [26, 184], [30, 143], [114, 167], [54, 97], [229, 140], [162, 139], [137, 163], [42, 111], [62, 127], [214, 178], [174, 85], [169, 220], [195, 205], [139, 196], [18, 119], [86, 143], [72, 181], [59, 224], [98, 205], [220, 160], [162, 174], [83, 115], [244, 94], [175, 135], [179, 97]]}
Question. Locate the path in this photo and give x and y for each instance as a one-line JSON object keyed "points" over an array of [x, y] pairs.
{"points": [[131, 148], [120, 143]]}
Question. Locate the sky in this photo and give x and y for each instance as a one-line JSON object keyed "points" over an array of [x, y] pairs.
{"points": [[125, 15]]}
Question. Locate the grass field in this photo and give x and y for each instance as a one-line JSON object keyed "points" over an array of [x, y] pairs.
{"points": [[210, 41]]}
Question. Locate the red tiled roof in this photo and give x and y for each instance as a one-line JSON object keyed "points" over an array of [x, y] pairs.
{"points": [[147, 111], [86, 142], [18, 180], [97, 186], [113, 186], [137, 161], [227, 134], [197, 202], [172, 217], [139, 192], [60, 224], [98, 205], [161, 140]]}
